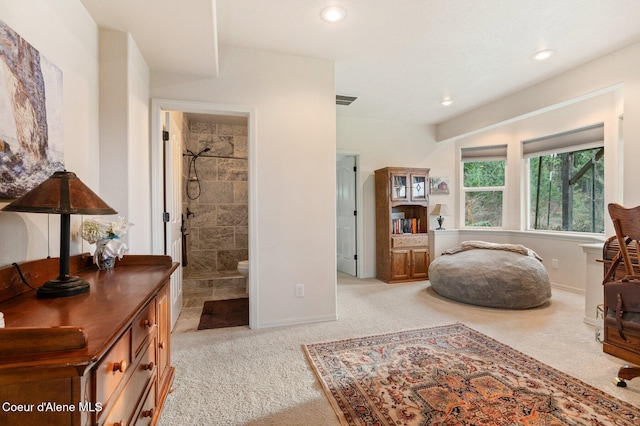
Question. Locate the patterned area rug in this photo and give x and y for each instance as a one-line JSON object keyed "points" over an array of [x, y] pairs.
{"points": [[453, 375]]}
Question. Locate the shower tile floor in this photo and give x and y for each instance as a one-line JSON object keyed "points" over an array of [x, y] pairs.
{"points": [[197, 289]]}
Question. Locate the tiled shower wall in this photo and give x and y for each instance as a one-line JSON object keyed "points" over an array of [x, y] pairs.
{"points": [[218, 228]]}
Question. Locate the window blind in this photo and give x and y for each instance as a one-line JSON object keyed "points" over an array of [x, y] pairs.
{"points": [[573, 140], [483, 153]]}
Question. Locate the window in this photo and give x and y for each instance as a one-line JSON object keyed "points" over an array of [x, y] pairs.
{"points": [[566, 181], [483, 185]]}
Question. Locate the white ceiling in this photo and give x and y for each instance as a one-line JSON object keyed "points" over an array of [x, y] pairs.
{"points": [[176, 36], [399, 57]]}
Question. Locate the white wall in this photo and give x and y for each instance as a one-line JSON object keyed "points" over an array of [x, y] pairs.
{"points": [[114, 154], [124, 135], [63, 32], [294, 100], [139, 152]]}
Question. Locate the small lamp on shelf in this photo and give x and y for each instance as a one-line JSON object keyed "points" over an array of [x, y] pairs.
{"points": [[440, 210], [64, 194]]}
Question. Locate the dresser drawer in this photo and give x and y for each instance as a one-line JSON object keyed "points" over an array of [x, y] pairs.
{"points": [[113, 368], [410, 240], [144, 324], [130, 397], [148, 410]]}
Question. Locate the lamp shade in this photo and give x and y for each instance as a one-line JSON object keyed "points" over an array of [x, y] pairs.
{"points": [[440, 210], [62, 193]]}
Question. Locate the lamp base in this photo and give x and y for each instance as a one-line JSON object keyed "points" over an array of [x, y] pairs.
{"points": [[63, 286], [440, 220]]}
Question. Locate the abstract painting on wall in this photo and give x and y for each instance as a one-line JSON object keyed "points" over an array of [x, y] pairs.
{"points": [[31, 125]]}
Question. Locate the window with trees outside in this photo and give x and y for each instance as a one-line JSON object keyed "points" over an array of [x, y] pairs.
{"points": [[483, 185], [566, 181]]}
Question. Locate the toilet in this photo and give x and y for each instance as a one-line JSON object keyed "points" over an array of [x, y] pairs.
{"points": [[243, 268]]}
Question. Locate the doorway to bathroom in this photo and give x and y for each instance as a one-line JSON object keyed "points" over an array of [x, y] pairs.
{"points": [[215, 212], [214, 197]]}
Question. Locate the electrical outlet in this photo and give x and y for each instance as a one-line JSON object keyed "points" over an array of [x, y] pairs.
{"points": [[299, 290], [554, 263]]}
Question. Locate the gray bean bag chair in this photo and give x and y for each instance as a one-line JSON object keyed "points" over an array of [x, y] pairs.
{"points": [[495, 275]]}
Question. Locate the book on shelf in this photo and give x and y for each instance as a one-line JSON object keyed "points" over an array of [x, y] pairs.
{"points": [[406, 226]]}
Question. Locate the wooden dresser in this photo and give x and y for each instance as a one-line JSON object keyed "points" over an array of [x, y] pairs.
{"points": [[101, 357]]}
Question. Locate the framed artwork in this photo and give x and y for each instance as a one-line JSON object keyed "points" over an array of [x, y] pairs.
{"points": [[439, 186], [31, 125]]}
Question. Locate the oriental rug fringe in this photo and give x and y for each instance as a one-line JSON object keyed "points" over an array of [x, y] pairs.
{"points": [[453, 375]]}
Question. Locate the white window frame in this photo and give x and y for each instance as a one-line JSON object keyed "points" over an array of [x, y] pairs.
{"points": [[588, 137], [481, 154]]}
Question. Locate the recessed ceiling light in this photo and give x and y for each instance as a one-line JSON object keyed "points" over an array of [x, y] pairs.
{"points": [[543, 54], [446, 102], [333, 13]]}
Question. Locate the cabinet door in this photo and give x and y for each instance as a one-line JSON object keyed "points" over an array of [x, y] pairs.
{"points": [[400, 264], [419, 190], [419, 263], [399, 187]]}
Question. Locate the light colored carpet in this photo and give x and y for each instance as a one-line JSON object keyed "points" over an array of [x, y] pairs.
{"points": [[238, 376]]}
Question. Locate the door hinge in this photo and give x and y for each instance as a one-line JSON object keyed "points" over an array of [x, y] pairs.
{"points": [[355, 169], [165, 135], [355, 212], [165, 217], [355, 257]]}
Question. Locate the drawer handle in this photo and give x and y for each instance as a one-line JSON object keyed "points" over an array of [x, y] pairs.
{"points": [[120, 423], [148, 366], [148, 413], [161, 345], [147, 323], [120, 366]]}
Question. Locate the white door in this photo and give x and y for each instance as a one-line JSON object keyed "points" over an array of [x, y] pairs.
{"points": [[173, 205], [346, 212]]}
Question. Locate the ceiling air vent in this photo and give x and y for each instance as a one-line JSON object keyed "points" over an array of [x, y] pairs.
{"points": [[345, 100]]}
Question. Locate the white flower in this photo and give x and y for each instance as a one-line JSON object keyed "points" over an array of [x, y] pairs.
{"points": [[97, 229], [120, 227]]}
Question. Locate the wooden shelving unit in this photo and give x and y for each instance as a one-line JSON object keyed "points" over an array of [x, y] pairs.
{"points": [[402, 224]]}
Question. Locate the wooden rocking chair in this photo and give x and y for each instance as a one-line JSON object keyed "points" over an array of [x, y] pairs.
{"points": [[622, 295]]}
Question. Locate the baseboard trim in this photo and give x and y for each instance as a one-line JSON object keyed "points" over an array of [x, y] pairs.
{"points": [[298, 321], [568, 288]]}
